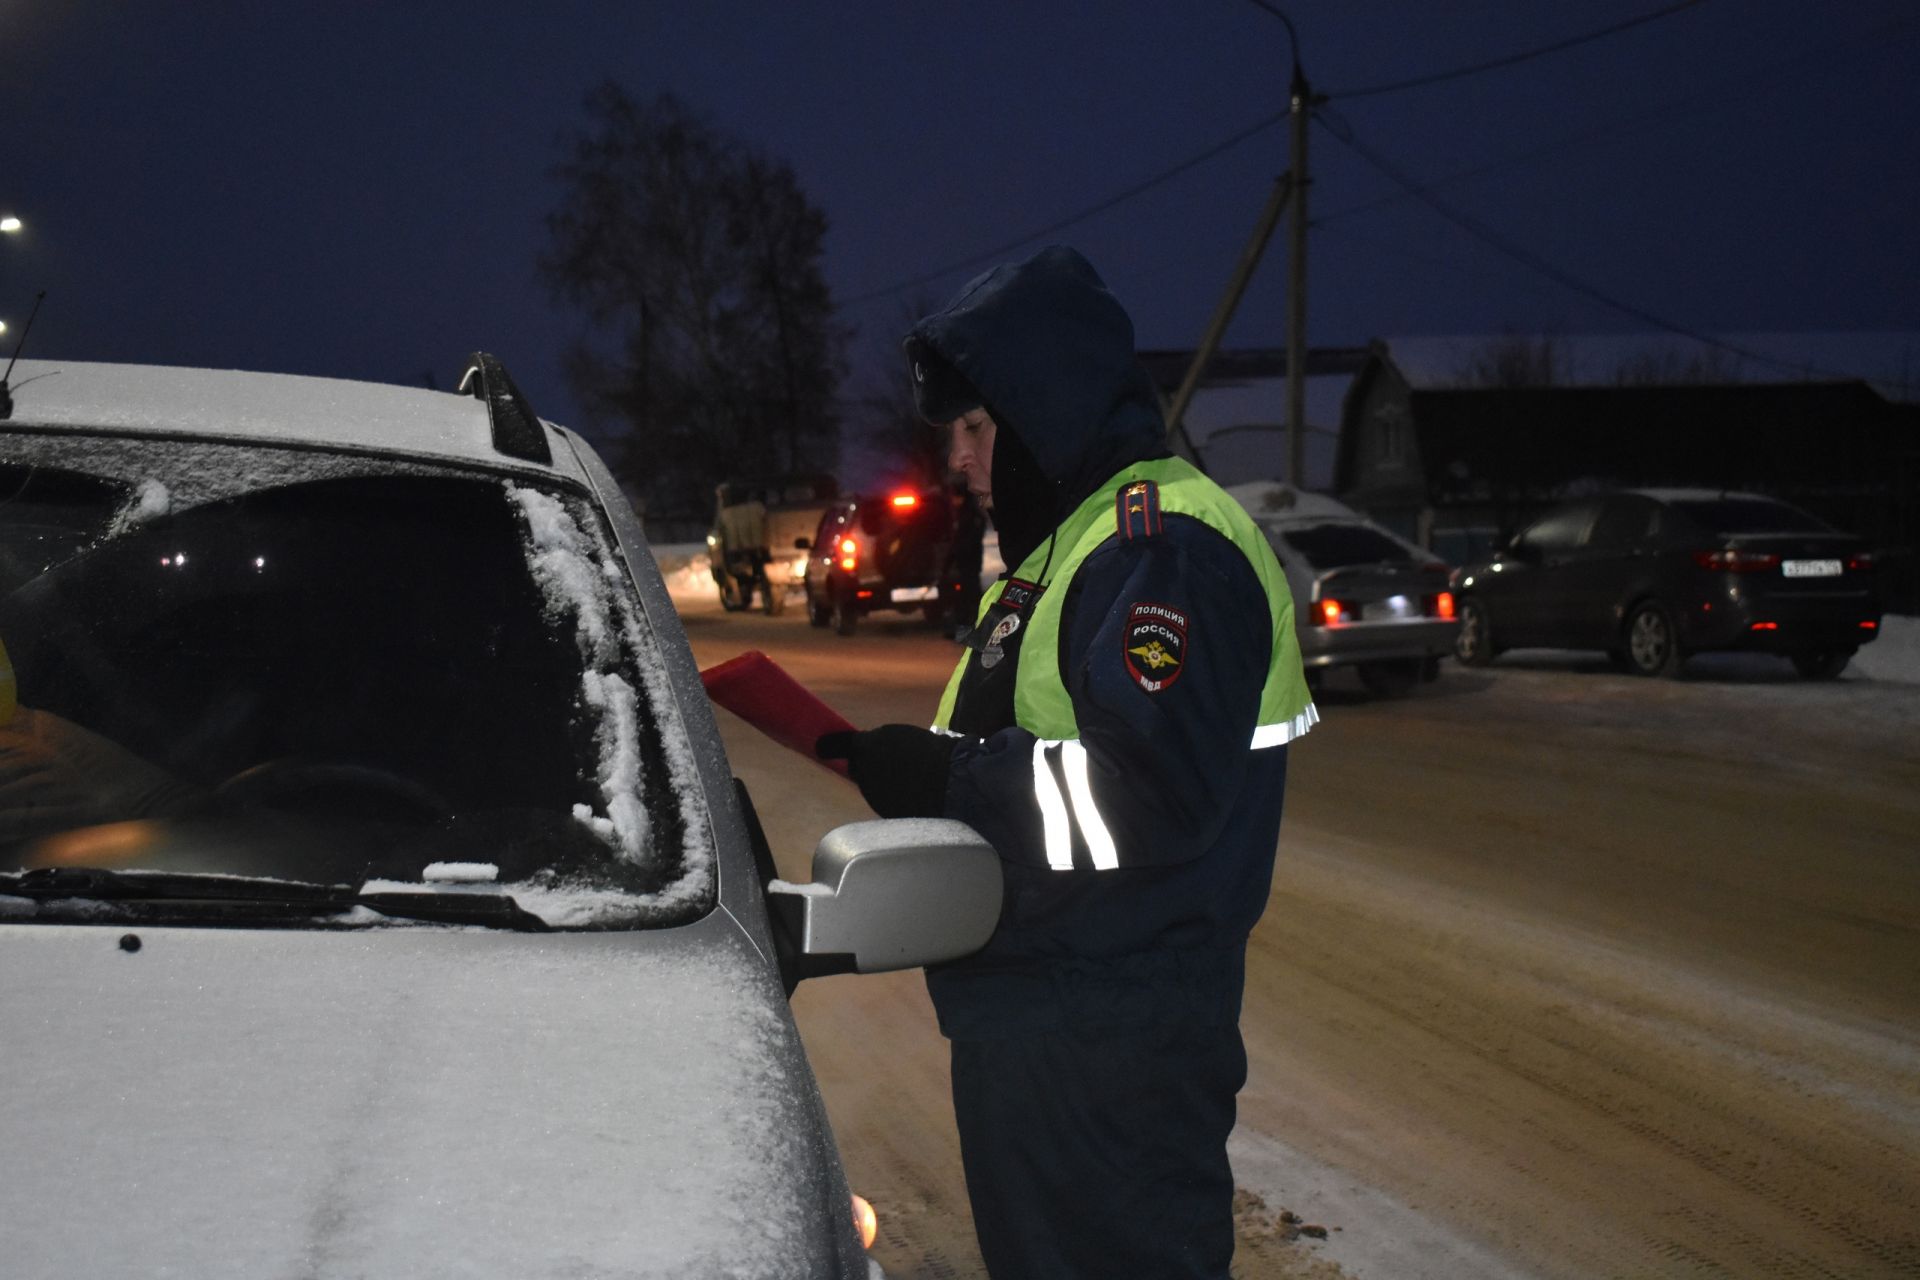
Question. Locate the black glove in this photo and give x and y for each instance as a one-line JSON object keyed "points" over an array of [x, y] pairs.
{"points": [[900, 769]]}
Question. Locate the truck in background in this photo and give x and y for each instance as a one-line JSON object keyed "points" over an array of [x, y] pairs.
{"points": [[762, 526]]}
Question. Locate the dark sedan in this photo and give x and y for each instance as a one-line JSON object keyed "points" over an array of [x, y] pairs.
{"points": [[1653, 575]]}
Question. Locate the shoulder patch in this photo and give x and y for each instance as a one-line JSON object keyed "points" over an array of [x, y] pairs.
{"points": [[1154, 644], [1136, 510]]}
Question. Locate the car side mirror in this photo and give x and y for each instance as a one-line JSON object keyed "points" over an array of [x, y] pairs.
{"points": [[802, 544], [893, 893]]}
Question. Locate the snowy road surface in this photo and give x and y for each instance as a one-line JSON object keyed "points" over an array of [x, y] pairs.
{"points": [[1566, 974]]}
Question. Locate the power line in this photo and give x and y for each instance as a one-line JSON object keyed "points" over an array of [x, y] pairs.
{"points": [[1495, 64], [1343, 134], [1665, 111], [1120, 197], [1259, 126]]}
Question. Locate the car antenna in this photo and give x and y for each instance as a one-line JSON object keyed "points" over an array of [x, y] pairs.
{"points": [[6, 396]]}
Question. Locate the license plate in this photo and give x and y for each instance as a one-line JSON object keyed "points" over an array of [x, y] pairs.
{"points": [[901, 595], [1810, 568]]}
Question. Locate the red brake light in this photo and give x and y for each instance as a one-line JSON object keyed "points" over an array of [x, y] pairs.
{"points": [[1764, 626], [1869, 626], [1860, 562], [1328, 613], [849, 554], [904, 501], [1443, 606], [1734, 561]]}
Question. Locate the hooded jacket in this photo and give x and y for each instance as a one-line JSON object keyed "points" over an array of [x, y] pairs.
{"points": [[1189, 811]]}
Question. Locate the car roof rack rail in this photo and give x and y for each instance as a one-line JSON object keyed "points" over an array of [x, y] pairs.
{"points": [[516, 427]]}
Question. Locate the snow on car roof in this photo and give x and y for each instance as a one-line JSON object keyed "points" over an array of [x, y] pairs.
{"points": [[1271, 500], [271, 407], [1699, 495]]}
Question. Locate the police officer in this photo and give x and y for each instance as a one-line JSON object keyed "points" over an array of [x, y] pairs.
{"points": [[1118, 731]]}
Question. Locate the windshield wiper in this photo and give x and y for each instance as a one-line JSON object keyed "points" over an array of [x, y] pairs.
{"points": [[178, 894]]}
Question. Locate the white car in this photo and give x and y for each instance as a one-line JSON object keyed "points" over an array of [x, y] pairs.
{"points": [[1363, 596], [375, 897]]}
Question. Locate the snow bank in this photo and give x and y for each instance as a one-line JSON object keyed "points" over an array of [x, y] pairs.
{"points": [[1894, 657]]}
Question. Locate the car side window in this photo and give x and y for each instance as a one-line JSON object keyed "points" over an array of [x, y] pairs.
{"points": [[1623, 522], [1557, 531]]}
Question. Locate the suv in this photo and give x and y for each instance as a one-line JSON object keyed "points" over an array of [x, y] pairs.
{"points": [[1652, 575], [885, 550], [374, 895], [1362, 596]]}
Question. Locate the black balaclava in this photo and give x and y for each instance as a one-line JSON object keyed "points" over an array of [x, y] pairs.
{"points": [[1026, 505]]}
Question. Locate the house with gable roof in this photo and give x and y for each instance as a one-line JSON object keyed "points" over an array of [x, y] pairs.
{"points": [[1427, 447], [1457, 442]]}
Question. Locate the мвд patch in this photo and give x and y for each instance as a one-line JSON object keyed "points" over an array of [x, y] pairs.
{"points": [[1154, 642]]}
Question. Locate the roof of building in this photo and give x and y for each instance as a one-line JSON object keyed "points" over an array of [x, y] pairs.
{"points": [[1888, 360]]}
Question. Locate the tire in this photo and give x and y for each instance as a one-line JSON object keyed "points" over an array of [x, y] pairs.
{"points": [[819, 612], [1473, 642], [1652, 644], [1394, 679], [845, 616], [1822, 664], [732, 599]]}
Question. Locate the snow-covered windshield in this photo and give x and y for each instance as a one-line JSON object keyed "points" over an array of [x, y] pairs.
{"points": [[306, 666]]}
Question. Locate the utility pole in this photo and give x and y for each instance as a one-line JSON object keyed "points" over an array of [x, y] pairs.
{"points": [[1302, 102], [1222, 315]]}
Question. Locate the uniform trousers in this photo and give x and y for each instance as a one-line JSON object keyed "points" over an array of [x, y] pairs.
{"points": [[1097, 1151]]}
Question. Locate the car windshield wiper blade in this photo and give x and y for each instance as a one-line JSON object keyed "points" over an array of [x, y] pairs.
{"points": [[101, 885], [498, 910], [233, 895]]}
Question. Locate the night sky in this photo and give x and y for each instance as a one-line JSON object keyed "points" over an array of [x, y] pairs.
{"points": [[358, 190]]}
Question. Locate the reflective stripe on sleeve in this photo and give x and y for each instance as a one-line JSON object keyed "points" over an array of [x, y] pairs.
{"points": [[1278, 735], [1053, 809], [1099, 839]]}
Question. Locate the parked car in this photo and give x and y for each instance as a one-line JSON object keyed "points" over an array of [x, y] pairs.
{"points": [[1653, 575], [375, 898], [1363, 596], [882, 550], [761, 531]]}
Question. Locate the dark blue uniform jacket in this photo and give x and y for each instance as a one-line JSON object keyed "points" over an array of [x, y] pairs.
{"points": [[1192, 809]]}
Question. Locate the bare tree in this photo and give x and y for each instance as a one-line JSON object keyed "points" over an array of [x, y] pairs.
{"points": [[885, 411], [696, 261], [1515, 360], [1669, 366]]}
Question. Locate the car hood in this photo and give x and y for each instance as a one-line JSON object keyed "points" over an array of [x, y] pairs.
{"points": [[411, 1102]]}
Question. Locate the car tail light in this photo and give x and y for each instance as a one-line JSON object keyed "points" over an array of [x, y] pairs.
{"points": [[849, 554], [866, 1223], [904, 501], [1764, 626], [1329, 613], [1861, 562], [1443, 606], [1869, 626], [1733, 561]]}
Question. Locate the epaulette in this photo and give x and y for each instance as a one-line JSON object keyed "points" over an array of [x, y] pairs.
{"points": [[1136, 511]]}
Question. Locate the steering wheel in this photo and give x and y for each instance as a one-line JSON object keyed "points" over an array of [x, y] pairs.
{"points": [[359, 790]]}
